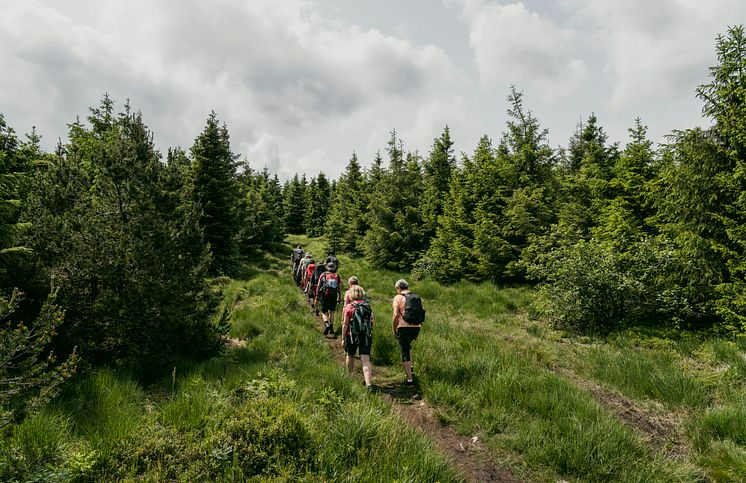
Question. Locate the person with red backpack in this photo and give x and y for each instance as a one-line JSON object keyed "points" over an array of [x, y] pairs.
{"points": [[407, 321], [328, 296], [307, 287], [301, 270], [357, 330]]}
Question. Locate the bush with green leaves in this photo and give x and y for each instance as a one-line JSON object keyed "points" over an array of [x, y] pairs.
{"points": [[591, 286]]}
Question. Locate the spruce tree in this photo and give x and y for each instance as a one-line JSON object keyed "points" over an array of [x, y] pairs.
{"points": [[12, 171], [585, 184], [394, 239], [295, 206], [724, 99], [438, 169], [215, 188], [346, 224], [319, 200], [452, 253]]}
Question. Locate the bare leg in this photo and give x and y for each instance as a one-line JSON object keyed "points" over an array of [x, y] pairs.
{"points": [[367, 370], [408, 370], [350, 360]]}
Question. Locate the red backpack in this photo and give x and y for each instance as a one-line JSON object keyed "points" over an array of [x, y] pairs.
{"points": [[329, 285]]}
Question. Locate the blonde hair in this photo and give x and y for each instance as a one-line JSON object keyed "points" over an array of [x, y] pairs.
{"points": [[357, 292], [353, 281]]}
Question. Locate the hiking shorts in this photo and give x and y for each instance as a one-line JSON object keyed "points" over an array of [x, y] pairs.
{"points": [[364, 344], [328, 304], [407, 335]]}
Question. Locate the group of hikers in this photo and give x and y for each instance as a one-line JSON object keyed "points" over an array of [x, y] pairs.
{"points": [[322, 285]]}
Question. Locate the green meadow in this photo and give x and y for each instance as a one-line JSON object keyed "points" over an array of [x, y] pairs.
{"points": [[636, 406]]}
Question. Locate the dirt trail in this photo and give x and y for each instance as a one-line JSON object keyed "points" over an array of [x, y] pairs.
{"points": [[467, 454], [658, 431]]}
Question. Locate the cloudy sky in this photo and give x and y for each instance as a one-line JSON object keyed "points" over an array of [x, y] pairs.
{"points": [[303, 83]]}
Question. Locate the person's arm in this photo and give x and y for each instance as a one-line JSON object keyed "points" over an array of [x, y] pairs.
{"points": [[345, 322], [396, 312], [339, 292]]}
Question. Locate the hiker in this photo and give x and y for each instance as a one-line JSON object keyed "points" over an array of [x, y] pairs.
{"points": [[357, 329], [302, 270], [351, 282], [313, 285], [328, 295], [332, 259], [407, 320], [310, 267], [295, 259]]}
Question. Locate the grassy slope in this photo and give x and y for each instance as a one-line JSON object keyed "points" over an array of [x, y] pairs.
{"points": [[280, 407], [550, 404]]}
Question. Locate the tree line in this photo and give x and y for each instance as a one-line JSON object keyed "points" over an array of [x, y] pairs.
{"points": [[613, 235]]}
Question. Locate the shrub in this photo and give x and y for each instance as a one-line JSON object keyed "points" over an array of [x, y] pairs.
{"points": [[270, 437], [590, 286]]}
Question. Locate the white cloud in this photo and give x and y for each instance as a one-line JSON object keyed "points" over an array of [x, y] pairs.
{"points": [[655, 50], [274, 70], [514, 45]]}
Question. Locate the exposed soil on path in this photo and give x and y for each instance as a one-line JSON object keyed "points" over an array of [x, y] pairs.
{"points": [[467, 454], [658, 431]]}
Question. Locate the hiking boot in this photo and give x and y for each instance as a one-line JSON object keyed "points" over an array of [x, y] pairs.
{"points": [[327, 328], [409, 383], [370, 389]]}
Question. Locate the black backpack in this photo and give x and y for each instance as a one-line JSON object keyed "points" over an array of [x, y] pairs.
{"points": [[413, 312], [361, 324], [316, 274]]}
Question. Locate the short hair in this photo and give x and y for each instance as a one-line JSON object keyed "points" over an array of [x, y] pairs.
{"points": [[357, 292], [353, 281], [402, 284]]}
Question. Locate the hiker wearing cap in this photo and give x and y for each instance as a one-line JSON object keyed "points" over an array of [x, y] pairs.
{"points": [[332, 259], [352, 281], [328, 295], [406, 323], [357, 330]]}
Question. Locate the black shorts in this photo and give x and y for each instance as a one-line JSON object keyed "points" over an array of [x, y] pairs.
{"points": [[328, 304], [364, 344], [407, 335]]}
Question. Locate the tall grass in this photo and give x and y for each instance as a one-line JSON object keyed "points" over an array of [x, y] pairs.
{"points": [[105, 408], [34, 445], [647, 374]]}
